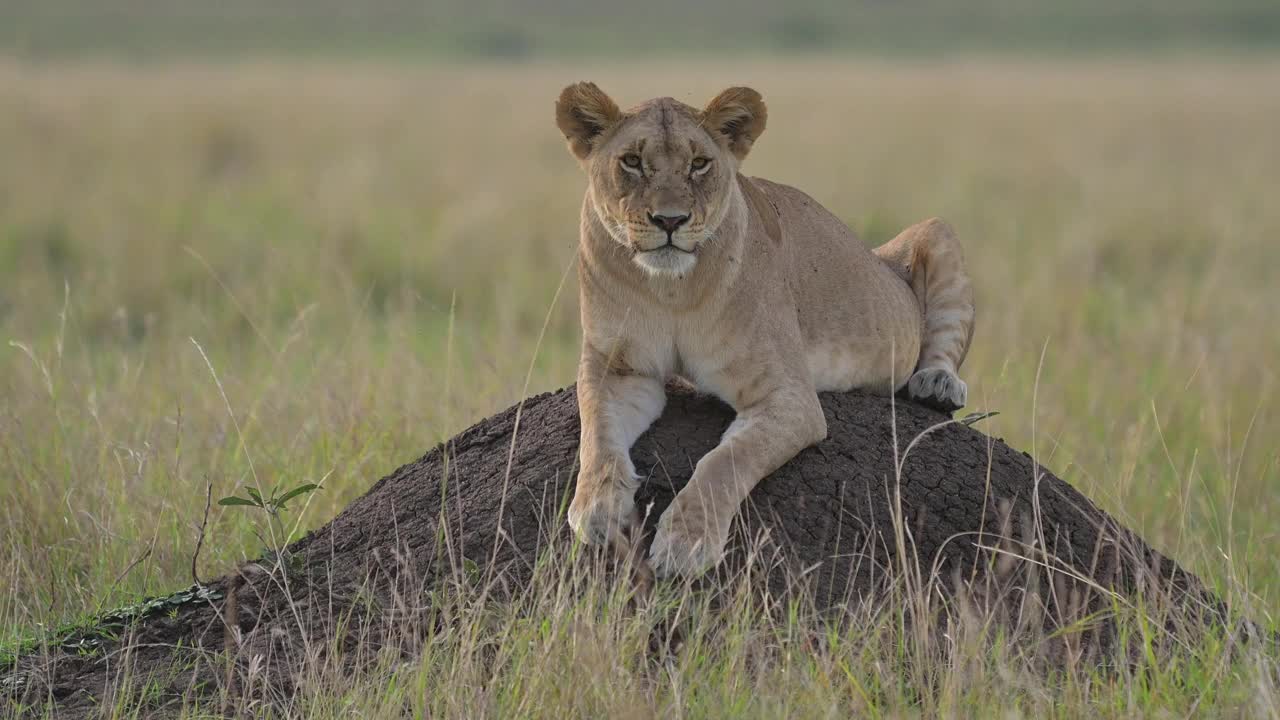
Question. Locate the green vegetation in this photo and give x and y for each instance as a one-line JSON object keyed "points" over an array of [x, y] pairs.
{"points": [[365, 256]]}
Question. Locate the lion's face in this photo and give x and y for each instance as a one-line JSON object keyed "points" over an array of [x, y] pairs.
{"points": [[661, 174], [660, 184]]}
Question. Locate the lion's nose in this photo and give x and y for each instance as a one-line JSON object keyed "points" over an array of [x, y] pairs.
{"points": [[668, 223]]}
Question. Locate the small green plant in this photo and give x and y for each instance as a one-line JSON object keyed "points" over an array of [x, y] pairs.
{"points": [[273, 505]]}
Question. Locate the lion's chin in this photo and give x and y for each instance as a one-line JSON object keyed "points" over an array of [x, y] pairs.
{"points": [[666, 262]]}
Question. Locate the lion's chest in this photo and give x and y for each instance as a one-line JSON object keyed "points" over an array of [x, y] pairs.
{"points": [[701, 358], [644, 346], [665, 348]]}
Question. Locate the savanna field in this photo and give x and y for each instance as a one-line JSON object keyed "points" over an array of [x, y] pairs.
{"points": [[278, 273]]}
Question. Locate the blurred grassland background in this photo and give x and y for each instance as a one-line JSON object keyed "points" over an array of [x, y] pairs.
{"points": [[590, 28], [362, 217]]}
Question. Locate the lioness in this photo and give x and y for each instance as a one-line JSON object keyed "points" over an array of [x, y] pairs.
{"points": [[746, 288]]}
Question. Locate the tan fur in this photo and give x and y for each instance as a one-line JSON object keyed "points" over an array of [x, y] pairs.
{"points": [[760, 296]]}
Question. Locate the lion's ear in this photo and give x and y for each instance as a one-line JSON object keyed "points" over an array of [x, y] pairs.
{"points": [[583, 113], [739, 115]]}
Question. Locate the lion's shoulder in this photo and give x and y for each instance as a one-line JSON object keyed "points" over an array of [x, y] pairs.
{"points": [[797, 214]]}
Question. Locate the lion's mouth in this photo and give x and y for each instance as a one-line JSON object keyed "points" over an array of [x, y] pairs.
{"points": [[669, 246], [668, 259]]}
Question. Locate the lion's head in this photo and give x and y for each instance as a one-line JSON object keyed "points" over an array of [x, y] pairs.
{"points": [[662, 173]]}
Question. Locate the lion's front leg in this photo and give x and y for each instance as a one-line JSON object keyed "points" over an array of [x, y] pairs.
{"points": [[615, 409], [693, 532]]}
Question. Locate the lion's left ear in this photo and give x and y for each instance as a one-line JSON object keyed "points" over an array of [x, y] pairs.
{"points": [[739, 115]]}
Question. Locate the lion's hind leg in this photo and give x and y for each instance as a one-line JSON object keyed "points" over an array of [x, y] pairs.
{"points": [[927, 255]]}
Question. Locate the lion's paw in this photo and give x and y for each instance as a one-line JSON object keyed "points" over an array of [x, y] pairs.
{"points": [[686, 544], [938, 388], [600, 515]]}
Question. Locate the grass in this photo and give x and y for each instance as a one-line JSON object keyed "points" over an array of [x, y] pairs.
{"points": [[266, 273]]}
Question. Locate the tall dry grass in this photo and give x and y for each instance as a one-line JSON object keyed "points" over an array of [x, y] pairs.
{"points": [[367, 253]]}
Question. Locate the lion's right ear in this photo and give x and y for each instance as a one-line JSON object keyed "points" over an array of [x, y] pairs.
{"points": [[739, 116], [583, 113]]}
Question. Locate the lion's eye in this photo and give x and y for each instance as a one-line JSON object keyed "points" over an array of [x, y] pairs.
{"points": [[699, 164], [631, 160]]}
